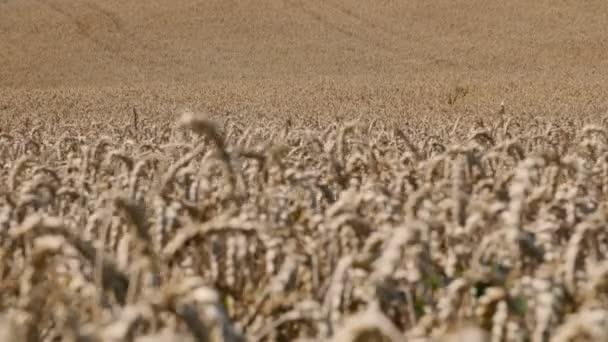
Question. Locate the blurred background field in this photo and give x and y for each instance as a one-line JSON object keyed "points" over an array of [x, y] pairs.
{"points": [[312, 60]]}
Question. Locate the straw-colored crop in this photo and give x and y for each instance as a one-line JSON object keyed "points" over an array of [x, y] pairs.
{"points": [[198, 231]]}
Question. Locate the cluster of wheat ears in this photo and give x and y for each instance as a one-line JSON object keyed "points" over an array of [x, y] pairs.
{"points": [[201, 231]]}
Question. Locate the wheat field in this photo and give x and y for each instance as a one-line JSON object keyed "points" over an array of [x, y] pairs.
{"points": [[281, 170]]}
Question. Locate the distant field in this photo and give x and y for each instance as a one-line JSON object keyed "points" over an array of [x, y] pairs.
{"points": [[296, 57]]}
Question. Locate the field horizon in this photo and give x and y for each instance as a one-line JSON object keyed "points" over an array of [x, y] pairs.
{"points": [[315, 58]]}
